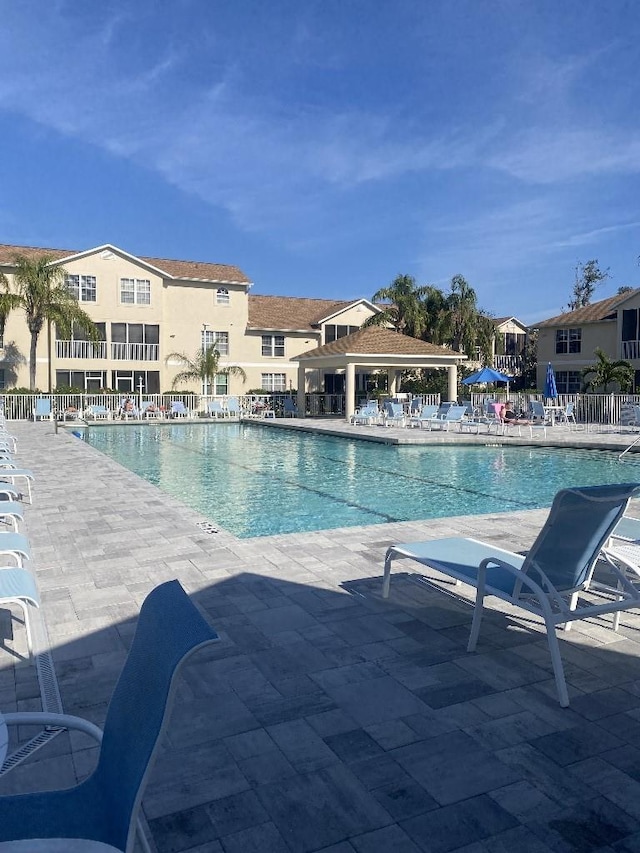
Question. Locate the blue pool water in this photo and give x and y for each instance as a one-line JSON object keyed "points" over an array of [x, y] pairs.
{"points": [[256, 482]]}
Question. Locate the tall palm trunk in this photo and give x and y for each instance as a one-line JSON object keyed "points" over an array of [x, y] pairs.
{"points": [[32, 361]]}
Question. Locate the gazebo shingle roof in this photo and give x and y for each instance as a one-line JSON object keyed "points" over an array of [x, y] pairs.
{"points": [[375, 340], [189, 270]]}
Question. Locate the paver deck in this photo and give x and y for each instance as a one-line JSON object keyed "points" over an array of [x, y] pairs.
{"points": [[327, 719]]}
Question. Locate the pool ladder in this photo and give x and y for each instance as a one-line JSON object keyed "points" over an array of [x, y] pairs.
{"points": [[627, 449]]}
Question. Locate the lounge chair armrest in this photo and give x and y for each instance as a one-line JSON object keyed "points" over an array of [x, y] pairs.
{"points": [[524, 580], [61, 721]]}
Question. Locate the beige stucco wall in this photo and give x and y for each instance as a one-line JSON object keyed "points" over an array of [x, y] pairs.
{"points": [[181, 309], [603, 335]]}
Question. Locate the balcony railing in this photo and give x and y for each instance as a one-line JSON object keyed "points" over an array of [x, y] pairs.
{"points": [[135, 352], [509, 364], [81, 349], [630, 349]]}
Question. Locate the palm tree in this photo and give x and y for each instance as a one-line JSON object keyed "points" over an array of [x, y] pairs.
{"points": [[469, 327], [405, 311], [8, 301], [607, 372], [204, 367], [43, 295]]}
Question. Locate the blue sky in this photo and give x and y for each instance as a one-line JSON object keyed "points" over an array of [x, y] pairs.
{"points": [[324, 147]]}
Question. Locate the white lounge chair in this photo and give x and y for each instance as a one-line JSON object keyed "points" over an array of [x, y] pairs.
{"points": [[454, 415]]}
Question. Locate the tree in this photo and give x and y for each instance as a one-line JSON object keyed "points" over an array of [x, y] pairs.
{"points": [[587, 277], [40, 290], [204, 367], [625, 289], [405, 311], [606, 372], [468, 326]]}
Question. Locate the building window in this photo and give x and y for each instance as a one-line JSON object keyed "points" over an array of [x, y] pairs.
{"points": [[222, 296], [332, 333], [135, 341], [219, 340], [273, 345], [3, 383], [222, 383], [568, 381], [568, 341], [136, 381], [135, 291], [274, 382], [81, 380], [83, 287]]}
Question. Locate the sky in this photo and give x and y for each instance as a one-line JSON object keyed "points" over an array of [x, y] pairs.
{"points": [[327, 146]]}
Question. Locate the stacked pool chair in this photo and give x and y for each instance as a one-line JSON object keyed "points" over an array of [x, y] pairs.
{"points": [[17, 584]]}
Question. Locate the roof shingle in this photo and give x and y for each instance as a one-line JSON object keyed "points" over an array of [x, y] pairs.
{"points": [[291, 312], [375, 340], [589, 313], [189, 270]]}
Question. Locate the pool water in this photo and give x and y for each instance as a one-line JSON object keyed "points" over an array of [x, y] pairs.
{"points": [[254, 481]]}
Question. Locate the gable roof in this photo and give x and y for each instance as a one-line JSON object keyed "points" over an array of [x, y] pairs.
{"points": [[188, 270], [593, 313], [293, 312], [376, 340]]}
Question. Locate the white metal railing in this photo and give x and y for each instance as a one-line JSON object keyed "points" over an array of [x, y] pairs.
{"points": [[135, 352], [630, 349], [81, 349]]}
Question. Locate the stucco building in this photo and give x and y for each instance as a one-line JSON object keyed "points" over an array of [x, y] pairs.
{"points": [[568, 341], [148, 308]]}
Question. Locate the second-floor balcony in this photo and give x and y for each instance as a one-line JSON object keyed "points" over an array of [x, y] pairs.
{"points": [[100, 349], [81, 349], [509, 364], [135, 352], [630, 350]]}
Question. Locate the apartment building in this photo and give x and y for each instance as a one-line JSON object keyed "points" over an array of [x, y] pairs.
{"points": [[568, 341], [145, 309]]}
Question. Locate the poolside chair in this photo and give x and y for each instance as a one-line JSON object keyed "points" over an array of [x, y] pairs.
{"points": [[393, 414], [289, 408], [215, 410], [178, 410], [14, 545], [10, 475], [537, 412], [368, 414], [415, 406], [233, 407], [556, 572], [125, 413], [568, 417], [98, 412], [454, 415], [11, 512], [426, 413], [104, 807], [148, 410], [42, 409], [17, 586]]}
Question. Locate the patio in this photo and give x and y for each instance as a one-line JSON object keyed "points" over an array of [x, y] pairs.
{"points": [[327, 718]]}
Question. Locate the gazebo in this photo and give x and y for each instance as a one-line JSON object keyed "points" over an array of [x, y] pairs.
{"points": [[375, 348]]}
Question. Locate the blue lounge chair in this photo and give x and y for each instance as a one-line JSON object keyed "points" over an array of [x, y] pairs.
{"points": [[556, 570], [17, 586], [426, 414], [215, 409], [14, 545], [148, 410], [454, 415], [178, 409], [10, 475], [104, 807], [233, 407], [394, 414], [368, 414], [98, 411], [11, 512], [290, 408], [42, 409]]}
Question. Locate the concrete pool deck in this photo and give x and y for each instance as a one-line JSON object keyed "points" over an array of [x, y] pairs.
{"points": [[327, 719]]}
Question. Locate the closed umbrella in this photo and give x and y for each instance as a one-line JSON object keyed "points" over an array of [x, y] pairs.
{"points": [[550, 389]]}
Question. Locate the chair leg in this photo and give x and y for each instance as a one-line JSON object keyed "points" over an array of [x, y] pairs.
{"points": [[386, 581], [477, 611], [556, 662]]}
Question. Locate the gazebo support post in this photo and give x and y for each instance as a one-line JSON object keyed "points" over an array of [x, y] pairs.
{"points": [[301, 395], [350, 391], [392, 380], [452, 376]]}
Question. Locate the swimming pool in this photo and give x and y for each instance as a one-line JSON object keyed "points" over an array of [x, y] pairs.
{"points": [[254, 481]]}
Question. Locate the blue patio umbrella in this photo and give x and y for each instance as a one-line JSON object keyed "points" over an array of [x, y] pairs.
{"points": [[487, 374], [550, 389]]}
